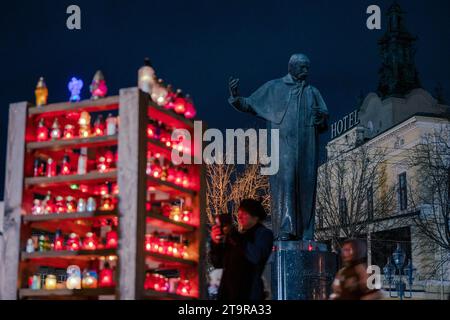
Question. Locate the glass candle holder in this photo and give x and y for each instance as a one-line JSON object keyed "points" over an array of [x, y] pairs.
{"points": [[58, 243], [50, 282], [89, 280], [73, 243], [90, 241], [111, 125], [65, 168], [41, 131], [60, 205], [37, 208], [81, 205], [71, 204], [112, 239], [99, 127], [69, 131], [41, 93], [106, 203], [51, 168], [48, 204], [55, 133], [184, 288], [106, 277], [73, 277], [30, 246], [91, 205]]}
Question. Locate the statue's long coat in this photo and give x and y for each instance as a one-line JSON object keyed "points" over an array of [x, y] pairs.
{"points": [[300, 114]]}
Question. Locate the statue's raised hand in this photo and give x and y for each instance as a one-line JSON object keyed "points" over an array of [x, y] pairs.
{"points": [[233, 85]]}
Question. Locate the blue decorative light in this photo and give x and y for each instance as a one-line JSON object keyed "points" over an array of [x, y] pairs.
{"points": [[75, 85]]}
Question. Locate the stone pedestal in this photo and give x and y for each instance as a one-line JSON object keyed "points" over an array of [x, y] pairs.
{"points": [[302, 270]]}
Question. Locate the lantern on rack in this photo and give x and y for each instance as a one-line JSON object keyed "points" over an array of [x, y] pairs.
{"points": [[106, 203], [69, 131], [71, 204], [106, 277], [91, 204], [55, 133], [38, 169], [75, 85], [50, 282], [99, 127], [37, 208], [84, 123], [60, 205], [41, 93], [51, 168], [187, 216], [179, 103], [30, 246], [81, 205], [159, 93], [98, 86], [90, 241], [184, 251], [49, 206], [148, 242], [65, 169], [89, 280], [73, 277], [146, 77], [36, 282], [184, 287], [102, 163], [41, 131], [73, 243], [111, 239], [58, 243], [190, 111], [111, 125]]}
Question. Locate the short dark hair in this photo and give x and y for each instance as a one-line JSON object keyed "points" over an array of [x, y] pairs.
{"points": [[254, 208]]}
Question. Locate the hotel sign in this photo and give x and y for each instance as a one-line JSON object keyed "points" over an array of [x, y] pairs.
{"points": [[343, 125]]}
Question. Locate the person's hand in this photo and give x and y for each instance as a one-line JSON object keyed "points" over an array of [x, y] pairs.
{"points": [[216, 234], [233, 85]]}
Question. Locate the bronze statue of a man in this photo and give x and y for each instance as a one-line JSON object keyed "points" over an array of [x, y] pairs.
{"points": [[299, 112]]}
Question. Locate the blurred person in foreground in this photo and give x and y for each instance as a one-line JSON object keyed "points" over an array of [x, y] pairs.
{"points": [[242, 252], [350, 282]]}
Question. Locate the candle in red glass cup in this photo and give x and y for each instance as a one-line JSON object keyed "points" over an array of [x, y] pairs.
{"points": [[55, 133], [73, 243], [151, 131], [38, 169], [49, 206], [111, 239], [109, 156], [102, 165], [185, 178], [51, 168], [90, 241], [99, 126], [58, 243], [148, 242], [184, 287], [60, 205], [69, 131], [102, 189], [65, 169], [106, 277], [148, 283], [186, 216], [106, 203], [71, 204], [180, 105], [41, 131]]}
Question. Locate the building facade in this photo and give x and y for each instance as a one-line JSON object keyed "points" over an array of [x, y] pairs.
{"points": [[388, 125]]}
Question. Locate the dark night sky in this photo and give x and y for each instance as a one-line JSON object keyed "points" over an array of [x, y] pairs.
{"points": [[197, 45]]}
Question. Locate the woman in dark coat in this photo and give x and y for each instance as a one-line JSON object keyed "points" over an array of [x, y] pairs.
{"points": [[242, 253]]}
